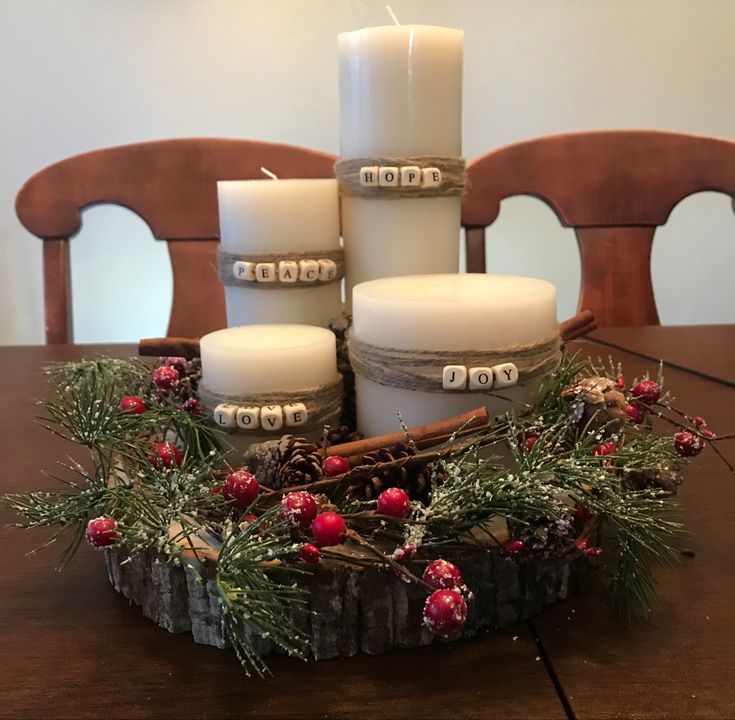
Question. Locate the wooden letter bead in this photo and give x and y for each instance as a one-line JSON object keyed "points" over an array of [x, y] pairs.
{"points": [[271, 417], [296, 414], [369, 175], [244, 270], [265, 272], [411, 176], [505, 375], [248, 418], [388, 176], [288, 271], [454, 377], [308, 270], [481, 378], [224, 415], [327, 270], [431, 177]]}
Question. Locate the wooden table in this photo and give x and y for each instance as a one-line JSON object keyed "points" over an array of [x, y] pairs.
{"points": [[72, 648]]}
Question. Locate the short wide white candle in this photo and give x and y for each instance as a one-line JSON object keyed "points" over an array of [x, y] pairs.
{"points": [[258, 359], [276, 216], [444, 313]]}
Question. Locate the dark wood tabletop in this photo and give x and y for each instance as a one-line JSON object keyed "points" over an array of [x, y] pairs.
{"points": [[72, 648]]}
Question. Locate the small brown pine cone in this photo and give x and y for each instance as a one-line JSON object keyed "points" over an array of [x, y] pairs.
{"points": [[595, 402], [341, 434], [299, 462]]}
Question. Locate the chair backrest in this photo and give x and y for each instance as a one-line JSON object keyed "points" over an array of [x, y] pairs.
{"points": [[614, 188], [171, 184]]}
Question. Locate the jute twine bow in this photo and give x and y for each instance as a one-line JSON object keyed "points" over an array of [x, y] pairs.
{"points": [[422, 369], [323, 402], [227, 259], [452, 169]]}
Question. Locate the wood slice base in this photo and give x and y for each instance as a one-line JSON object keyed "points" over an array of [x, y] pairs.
{"points": [[352, 610]]}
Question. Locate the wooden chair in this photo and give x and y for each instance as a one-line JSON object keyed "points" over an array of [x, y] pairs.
{"points": [[171, 184], [614, 188]]}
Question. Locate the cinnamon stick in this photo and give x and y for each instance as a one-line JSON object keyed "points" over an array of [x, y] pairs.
{"points": [[177, 346], [577, 326], [421, 434]]}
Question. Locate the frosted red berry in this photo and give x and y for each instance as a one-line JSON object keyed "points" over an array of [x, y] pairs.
{"points": [[336, 465], [165, 456], [593, 551], [328, 529], [687, 444], [102, 532], [620, 382], [309, 553], [241, 488], [707, 433], [526, 441], [132, 404], [513, 547], [442, 575], [699, 421], [635, 412], [192, 406], [647, 391], [581, 544], [177, 363], [607, 448], [404, 554], [394, 502], [445, 612], [299, 509], [165, 377]]}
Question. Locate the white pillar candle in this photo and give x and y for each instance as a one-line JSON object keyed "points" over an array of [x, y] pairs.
{"points": [[256, 359], [444, 313], [276, 216], [400, 95]]}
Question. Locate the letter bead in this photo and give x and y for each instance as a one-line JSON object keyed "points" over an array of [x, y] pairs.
{"points": [[431, 177], [265, 272], [296, 414], [288, 271], [454, 377], [224, 415], [411, 176], [308, 270], [244, 270], [327, 270], [505, 375], [388, 176], [271, 417], [248, 418], [481, 378], [369, 175]]}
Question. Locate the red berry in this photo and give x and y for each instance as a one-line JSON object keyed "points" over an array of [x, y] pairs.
{"points": [[216, 490], [445, 612], [241, 488], [177, 363], [699, 421], [593, 551], [394, 502], [298, 509], [635, 412], [132, 404], [336, 465], [581, 544], [102, 532], [513, 547], [687, 444], [706, 432], [582, 513], [441, 575], [620, 382], [606, 448], [165, 455], [647, 392], [192, 406], [246, 520], [404, 554], [328, 529], [165, 377], [309, 553], [526, 441]]}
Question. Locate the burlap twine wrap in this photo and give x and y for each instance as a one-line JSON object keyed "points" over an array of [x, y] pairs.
{"points": [[227, 259], [347, 172], [323, 403], [422, 369]]}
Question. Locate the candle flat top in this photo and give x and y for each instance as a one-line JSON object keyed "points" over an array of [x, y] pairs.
{"points": [[259, 338]]}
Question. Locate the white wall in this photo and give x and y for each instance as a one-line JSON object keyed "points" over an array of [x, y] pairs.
{"points": [[81, 74]]}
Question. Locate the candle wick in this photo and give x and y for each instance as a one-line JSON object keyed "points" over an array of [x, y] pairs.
{"points": [[267, 172], [392, 14]]}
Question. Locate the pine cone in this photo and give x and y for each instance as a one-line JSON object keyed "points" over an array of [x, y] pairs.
{"points": [[595, 402], [341, 434], [544, 536], [414, 478], [284, 463], [666, 477]]}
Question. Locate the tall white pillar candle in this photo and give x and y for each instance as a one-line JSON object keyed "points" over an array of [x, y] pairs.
{"points": [[255, 359], [444, 313], [400, 95], [276, 216]]}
